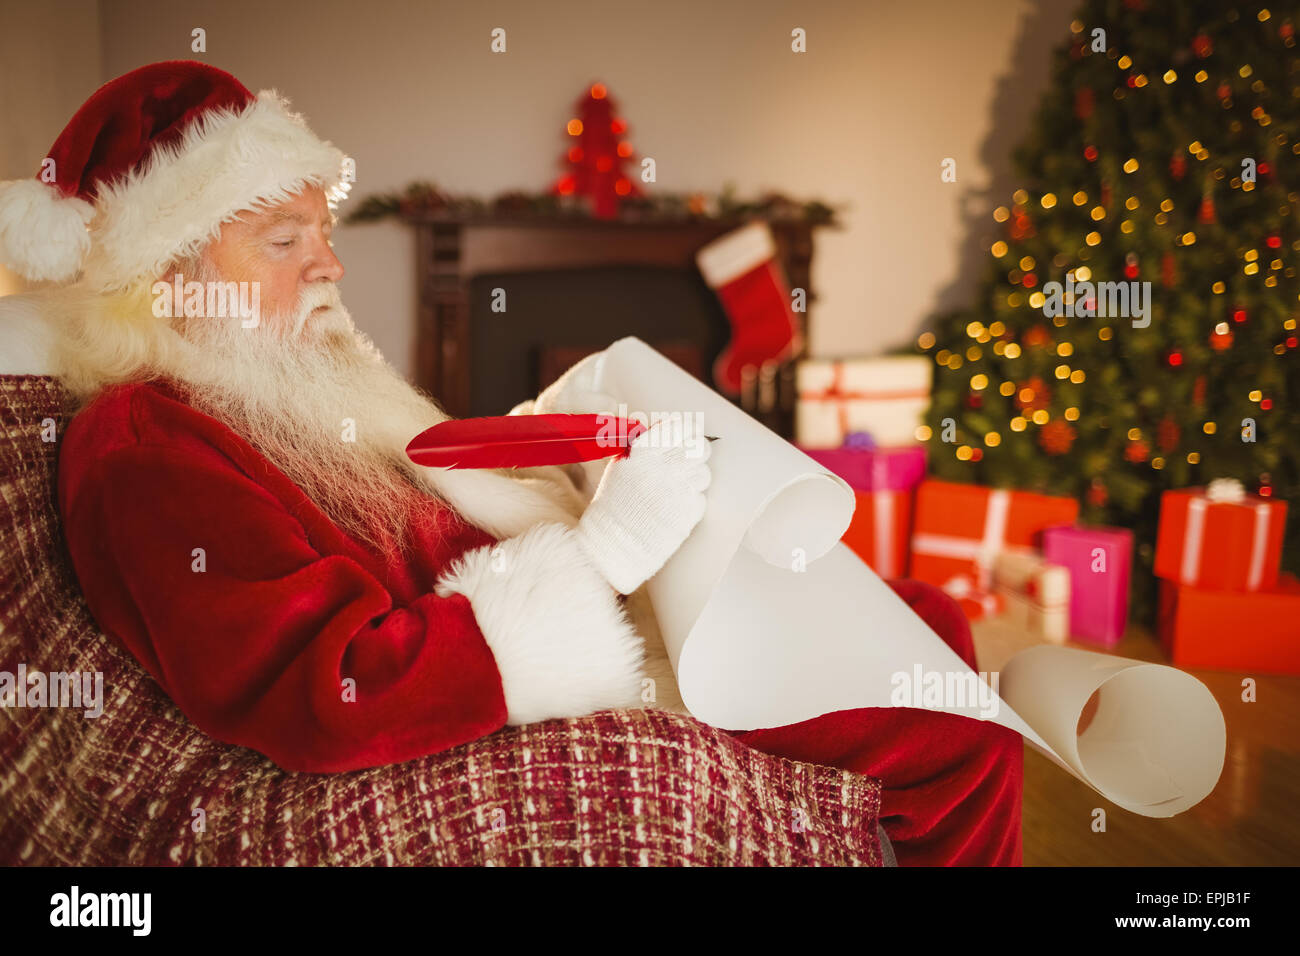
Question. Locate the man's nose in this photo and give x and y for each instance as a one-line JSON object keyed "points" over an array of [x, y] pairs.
{"points": [[326, 265]]}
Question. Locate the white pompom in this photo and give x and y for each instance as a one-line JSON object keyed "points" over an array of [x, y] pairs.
{"points": [[42, 232]]}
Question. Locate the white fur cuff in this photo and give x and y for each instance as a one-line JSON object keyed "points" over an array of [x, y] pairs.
{"points": [[563, 644]]}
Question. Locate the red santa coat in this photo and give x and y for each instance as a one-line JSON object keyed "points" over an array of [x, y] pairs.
{"points": [[296, 640]]}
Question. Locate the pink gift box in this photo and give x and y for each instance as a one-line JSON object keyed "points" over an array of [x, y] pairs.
{"points": [[1099, 561], [876, 469]]}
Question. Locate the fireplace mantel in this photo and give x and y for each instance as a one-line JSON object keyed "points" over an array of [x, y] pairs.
{"points": [[451, 252]]}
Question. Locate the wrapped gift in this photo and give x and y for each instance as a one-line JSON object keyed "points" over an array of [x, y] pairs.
{"points": [[884, 397], [884, 481], [1035, 594], [959, 530], [1099, 561], [1232, 630], [1220, 538], [975, 602]]}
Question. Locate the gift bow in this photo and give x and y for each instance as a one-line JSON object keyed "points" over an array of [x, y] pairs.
{"points": [[1225, 489], [962, 588]]}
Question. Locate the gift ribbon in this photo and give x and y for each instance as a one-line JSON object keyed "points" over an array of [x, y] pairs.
{"points": [[838, 394], [983, 551], [1194, 537], [882, 505]]}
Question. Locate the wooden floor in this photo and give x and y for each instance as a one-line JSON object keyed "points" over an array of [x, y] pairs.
{"points": [[1251, 818]]}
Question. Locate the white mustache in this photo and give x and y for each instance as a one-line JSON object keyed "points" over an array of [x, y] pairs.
{"points": [[313, 297]]}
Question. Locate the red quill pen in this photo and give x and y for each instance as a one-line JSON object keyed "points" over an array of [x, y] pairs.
{"points": [[522, 441]]}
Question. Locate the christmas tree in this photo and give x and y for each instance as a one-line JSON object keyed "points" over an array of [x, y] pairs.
{"points": [[597, 155], [1136, 330]]}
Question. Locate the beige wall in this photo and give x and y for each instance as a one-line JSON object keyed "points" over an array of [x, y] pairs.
{"points": [[49, 63], [711, 91]]}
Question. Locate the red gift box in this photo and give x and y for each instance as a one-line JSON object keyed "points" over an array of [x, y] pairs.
{"points": [[880, 529], [959, 530], [1232, 630], [1220, 538]]}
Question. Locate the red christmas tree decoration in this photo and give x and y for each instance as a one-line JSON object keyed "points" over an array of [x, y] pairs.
{"points": [[1083, 102], [1178, 167], [1206, 215], [597, 155], [1056, 437], [1167, 434]]}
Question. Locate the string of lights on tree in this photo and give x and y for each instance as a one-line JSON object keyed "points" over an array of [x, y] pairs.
{"points": [[1169, 157]]}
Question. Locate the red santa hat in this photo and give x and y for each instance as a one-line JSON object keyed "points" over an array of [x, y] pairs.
{"points": [[148, 170]]}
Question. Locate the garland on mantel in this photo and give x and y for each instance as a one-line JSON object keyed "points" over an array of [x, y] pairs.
{"points": [[424, 198]]}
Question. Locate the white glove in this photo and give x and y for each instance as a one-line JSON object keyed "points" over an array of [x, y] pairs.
{"points": [[645, 506]]}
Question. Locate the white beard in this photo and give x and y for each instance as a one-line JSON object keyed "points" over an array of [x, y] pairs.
{"points": [[313, 394]]}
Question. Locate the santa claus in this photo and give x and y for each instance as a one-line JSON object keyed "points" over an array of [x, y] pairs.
{"points": [[242, 516]]}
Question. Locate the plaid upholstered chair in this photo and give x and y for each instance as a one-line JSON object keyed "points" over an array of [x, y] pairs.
{"points": [[140, 784]]}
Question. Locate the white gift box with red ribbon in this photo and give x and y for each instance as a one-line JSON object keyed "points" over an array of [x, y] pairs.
{"points": [[885, 397], [1036, 594]]}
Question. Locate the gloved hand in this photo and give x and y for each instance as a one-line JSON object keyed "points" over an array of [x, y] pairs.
{"points": [[645, 506]]}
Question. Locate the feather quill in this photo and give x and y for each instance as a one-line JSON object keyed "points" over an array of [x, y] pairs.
{"points": [[522, 441]]}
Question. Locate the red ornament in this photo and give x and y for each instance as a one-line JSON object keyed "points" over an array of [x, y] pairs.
{"points": [[1291, 341], [1239, 316], [1083, 102], [1136, 452], [1131, 271], [1168, 271], [1178, 166], [1035, 336], [1266, 403], [976, 454], [1206, 213], [1202, 46], [1175, 358], [1167, 434], [1039, 395], [1221, 341], [1090, 153], [1274, 242], [1224, 91], [1022, 227], [974, 400], [1056, 437], [1097, 493]]}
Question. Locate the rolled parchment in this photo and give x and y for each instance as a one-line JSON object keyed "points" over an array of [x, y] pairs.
{"points": [[768, 620]]}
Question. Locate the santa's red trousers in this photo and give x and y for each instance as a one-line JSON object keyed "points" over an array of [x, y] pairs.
{"points": [[952, 785]]}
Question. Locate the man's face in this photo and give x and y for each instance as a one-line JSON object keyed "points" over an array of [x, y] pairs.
{"points": [[286, 249]]}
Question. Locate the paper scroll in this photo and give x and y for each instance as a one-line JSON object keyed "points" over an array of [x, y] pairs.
{"points": [[769, 620]]}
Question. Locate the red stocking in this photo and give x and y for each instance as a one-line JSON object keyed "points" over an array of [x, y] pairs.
{"points": [[741, 268]]}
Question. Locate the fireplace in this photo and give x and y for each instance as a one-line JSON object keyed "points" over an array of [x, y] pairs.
{"points": [[554, 318], [571, 287]]}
